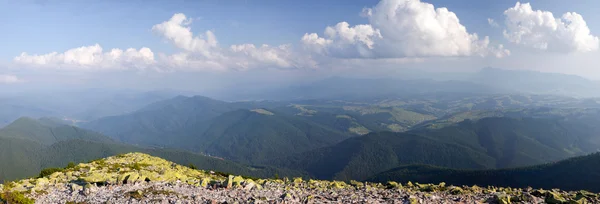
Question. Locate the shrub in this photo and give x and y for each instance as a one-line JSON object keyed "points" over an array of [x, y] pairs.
{"points": [[192, 166], [48, 171], [15, 197], [70, 165]]}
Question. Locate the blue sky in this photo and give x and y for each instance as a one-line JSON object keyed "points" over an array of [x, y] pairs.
{"points": [[39, 27]]}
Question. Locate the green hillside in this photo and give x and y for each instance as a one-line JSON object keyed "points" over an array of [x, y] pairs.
{"points": [[81, 151], [515, 142], [19, 158], [572, 174], [235, 131], [28, 146], [46, 131], [484, 144], [248, 136], [174, 123], [162, 124], [360, 157]]}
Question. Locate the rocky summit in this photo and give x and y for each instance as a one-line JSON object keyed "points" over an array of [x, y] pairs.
{"points": [[141, 178]]}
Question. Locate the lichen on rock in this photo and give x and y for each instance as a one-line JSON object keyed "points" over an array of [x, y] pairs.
{"points": [[143, 177]]}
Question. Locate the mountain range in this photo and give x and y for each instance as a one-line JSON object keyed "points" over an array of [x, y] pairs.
{"points": [[30, 145]]}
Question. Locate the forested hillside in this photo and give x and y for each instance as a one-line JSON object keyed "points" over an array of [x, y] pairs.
{"points": [[28, 147], [253, 136], [483, 144], [572, 174], [46, 131], [360, 157]]}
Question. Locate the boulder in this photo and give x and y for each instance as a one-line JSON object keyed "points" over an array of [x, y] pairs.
{"points": [[75, 189], [554, 198], [89, 189], [204, 182], [502, 198]]}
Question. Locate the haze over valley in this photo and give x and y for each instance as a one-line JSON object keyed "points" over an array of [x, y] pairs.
{"points": [[390, 101]]}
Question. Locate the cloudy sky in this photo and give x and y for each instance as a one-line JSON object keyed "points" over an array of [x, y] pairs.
{"points": [[205, 44]]}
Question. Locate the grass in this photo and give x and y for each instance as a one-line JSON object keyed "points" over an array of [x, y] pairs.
{"points": [[49, 171], [15, 198]]}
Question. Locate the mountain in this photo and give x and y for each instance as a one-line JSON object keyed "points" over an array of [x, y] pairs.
{"points": [[75, 105], [163, 123], [497, 142], [361, 88], [360, 157], [536, 82], [357, 119], [579, 173], [487, 80], [138, 177], [47, 131], [515, 142], [258, 135], [19, 158], [29, 145], [237, 131]]}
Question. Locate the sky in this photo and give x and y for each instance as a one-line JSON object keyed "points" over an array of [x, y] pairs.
{"points": [[213, 44]]}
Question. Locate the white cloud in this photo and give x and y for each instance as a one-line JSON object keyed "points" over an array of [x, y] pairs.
{"points": [[196, 53], [178, 32], [541, 30], [90, 58], [9, 79], [493, 23], [402, 28], [343, 40], [204, 53]]}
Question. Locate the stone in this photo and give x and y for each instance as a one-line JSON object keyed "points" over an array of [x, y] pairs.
{"points": [[502, 198], [249, 186], [237, 180], [456, 190], [75, 189], [42, 182], [230, 181], [538, 193], [204, 182], [89, 189], [392, 185], [554, 198]]}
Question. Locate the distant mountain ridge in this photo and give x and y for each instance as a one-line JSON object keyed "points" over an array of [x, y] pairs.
{"points": [[46, 131], [29, 145], [488, 143], [570, 174], [230, 130]]}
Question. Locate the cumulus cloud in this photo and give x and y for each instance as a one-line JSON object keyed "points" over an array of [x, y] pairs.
{"points": [[541, 30], [177, 31], [402, 28], [9, 79], [204, 53], [197, 52], [91, 58]]}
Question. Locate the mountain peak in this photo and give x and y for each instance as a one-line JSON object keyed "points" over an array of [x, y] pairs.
{"points": [[144, 178]]}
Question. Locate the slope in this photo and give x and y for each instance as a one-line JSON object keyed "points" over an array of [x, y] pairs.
{"points": [[162, 123], [142, 178], [46, 131], [252, 136], [515, 142], [497, 142], [27, 152], [360, 157], [571, 174], [19, 158]]}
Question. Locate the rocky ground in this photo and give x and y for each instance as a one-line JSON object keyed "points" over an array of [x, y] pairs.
{"points": [[140, 178]]}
